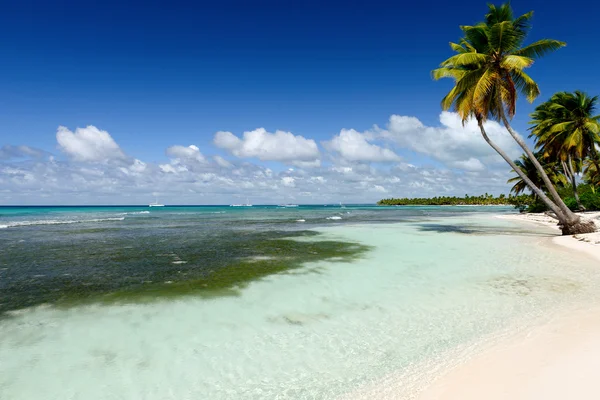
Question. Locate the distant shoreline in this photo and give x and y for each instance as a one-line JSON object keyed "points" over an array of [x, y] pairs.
{"points": [[445, 205]]}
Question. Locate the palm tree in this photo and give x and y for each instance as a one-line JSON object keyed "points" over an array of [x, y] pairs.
{"points": [[488, 71], [567, 131], [591, 173], [527, 167]]}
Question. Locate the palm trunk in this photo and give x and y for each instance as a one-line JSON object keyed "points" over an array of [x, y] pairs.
{"points": [[569, 223], [570, 216], [572, 223], [594, 157], [574, 185], [536, 190]]}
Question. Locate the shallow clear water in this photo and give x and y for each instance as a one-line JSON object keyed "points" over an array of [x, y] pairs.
{"points": [[392, 288]]}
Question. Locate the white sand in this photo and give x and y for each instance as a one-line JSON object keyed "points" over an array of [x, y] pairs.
{"points": [[588, 243], [559, 360]]}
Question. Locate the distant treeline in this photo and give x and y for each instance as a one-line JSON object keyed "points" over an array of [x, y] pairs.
{"points": [[483, 200]]}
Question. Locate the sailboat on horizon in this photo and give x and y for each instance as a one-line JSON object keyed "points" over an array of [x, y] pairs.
{"points": [[242, 205], [156, 203]]}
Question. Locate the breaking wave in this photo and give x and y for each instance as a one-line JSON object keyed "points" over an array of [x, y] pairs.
{"points": [[58, 222]]}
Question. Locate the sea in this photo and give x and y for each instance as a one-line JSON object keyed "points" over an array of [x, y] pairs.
{"points": [[264, 302]]}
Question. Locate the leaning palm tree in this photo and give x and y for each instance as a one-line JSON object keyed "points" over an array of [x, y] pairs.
{"points": [[527, 167], [591, 173], [489, 73], [567, 131]]}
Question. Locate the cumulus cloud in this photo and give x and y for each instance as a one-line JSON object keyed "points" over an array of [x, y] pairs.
{"points": [[65, 182], [186, 154], [451, 143], [353, 146], [221, 162], [307, 164], [352, 175], [288, 181], [136, 168], [279, 146], [88, 144]]}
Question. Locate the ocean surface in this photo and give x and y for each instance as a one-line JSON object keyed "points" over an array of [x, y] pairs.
{"points": [[263, 302]]}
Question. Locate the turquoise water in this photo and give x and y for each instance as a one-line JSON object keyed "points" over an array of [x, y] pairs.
{"points": [[338, 303]]}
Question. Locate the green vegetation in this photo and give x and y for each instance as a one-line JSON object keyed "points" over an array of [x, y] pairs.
{"points": [[126, 270], [488, 71], [483, 200], [588, 199]]}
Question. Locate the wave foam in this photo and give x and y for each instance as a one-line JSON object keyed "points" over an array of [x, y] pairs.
{"points": [[58, 222], [334, 217]]}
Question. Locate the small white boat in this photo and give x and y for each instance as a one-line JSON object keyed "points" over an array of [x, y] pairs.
{"points": [[241, 205], [156, 204]]}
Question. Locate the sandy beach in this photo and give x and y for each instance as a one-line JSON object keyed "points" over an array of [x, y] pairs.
{"points": [[588, 243], [558, 360]]}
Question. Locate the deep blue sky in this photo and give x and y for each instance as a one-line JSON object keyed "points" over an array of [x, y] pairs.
{"points": [[154, 71]]}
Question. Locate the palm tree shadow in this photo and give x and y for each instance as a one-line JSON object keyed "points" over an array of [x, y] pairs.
{"points": [[467, 229]]}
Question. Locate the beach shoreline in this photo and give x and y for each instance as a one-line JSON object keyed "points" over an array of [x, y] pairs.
{"points": [[588, 243], [556, 359]]}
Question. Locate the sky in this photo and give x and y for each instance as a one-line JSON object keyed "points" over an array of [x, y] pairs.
{"points": [[272, 101]]}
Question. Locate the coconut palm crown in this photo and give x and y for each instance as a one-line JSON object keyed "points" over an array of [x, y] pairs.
{"points": [[565, 125], [489, 65]]}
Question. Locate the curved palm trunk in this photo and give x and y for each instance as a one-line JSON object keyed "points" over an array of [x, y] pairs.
{"points": [[571, 176], [571, 217], [536, 190], [570, 223], [594, 157]]}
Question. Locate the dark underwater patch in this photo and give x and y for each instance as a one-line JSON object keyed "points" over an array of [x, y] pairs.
{"points": [[133, 265]]}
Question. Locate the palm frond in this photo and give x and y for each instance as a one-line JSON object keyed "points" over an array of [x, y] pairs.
{"points": [[516, 62], [524, 84], [465, 60], [443, 72], [540, 48], [503, 38]]}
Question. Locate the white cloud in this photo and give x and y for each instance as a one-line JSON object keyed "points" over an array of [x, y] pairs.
{"points": [[109, 183], [221, 162], [451, 143], [352, 175], [172, 168], [472, 164], [307, 164], [288, 181], [137, 168], [353, 146], [186, 154], [279, 146], [88, 144]]}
